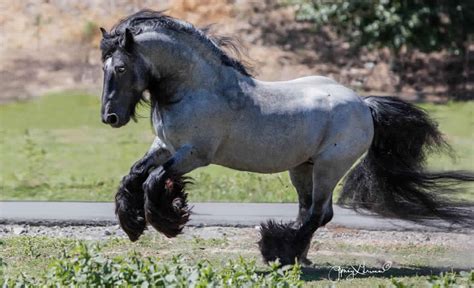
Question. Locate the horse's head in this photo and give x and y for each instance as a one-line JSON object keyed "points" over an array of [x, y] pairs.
{"points": [[125, 78]]}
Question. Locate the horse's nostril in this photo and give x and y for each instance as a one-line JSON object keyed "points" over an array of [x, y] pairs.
{"points": [[112, 119]]}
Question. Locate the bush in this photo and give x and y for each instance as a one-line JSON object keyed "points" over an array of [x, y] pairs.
{"points": [[85, 266], [421, 24]]}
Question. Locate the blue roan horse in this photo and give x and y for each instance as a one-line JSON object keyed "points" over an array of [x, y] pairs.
{"points": [[207, 109]]}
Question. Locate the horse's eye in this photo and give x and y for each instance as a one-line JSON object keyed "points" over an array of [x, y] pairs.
{"points": [[120, 69]]}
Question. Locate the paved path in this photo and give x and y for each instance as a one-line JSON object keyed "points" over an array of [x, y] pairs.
{"points": [[204, 214]]}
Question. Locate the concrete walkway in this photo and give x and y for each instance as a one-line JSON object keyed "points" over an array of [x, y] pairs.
{"points": [[204, 214]]}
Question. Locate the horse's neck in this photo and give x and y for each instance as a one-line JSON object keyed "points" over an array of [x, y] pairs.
{"points": [[181, 70], [223, 81], [184, 68]]}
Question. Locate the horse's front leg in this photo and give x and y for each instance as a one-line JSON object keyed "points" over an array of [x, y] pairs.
{"points": [[129, 200], [165, 199]]}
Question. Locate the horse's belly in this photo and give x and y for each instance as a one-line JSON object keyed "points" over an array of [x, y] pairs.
{"points": [[258, 165], [267, 148]]}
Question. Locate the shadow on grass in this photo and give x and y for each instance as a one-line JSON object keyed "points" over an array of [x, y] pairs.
{"points": [[348, 272]]}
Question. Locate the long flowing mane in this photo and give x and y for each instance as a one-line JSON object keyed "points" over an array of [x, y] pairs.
{"points": [[149, 20]]}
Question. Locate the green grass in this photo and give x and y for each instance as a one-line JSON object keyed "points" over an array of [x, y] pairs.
{"points": [[188, 261], [56, 148]]}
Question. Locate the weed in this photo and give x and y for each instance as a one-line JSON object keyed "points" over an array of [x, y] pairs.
{"points": [[86, 266]]}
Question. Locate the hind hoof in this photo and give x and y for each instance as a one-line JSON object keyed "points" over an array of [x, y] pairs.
{"points": [[305, 262], [281, 241]]}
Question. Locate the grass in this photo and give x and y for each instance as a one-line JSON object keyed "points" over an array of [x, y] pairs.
{"points": [[65, 262], [56, 148]]}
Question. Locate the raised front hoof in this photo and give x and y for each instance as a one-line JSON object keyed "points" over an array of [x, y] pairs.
{"points": [[132, 226], [166, 207], [280, 241], [169, 226], [129, 208]]}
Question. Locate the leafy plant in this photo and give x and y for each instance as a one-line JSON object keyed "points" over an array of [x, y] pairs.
{"points": [[85, 266]]}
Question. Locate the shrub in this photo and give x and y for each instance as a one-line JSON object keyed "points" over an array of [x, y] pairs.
{"points": [[85, 266], [422, 24]]}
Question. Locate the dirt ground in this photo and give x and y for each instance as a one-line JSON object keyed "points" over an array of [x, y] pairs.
{"points": [[331, 245], [52, 45]]}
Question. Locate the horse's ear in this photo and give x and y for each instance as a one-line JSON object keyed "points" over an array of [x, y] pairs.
{"points": [[104, 32], [127, 42]]}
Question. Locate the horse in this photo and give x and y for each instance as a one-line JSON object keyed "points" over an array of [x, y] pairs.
{"points": [[207, 108]]}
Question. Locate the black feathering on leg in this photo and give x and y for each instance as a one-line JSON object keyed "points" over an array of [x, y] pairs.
{"points": [[166, 207], [281, 241], [129, 203]]}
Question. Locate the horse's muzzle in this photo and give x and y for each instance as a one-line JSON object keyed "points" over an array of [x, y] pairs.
{"points": [[112, 119]]}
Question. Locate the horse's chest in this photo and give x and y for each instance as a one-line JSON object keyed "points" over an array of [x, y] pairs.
{"points": [[167, 129], [176, 129]]}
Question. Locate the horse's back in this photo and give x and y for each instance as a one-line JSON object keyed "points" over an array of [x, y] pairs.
{"points": [[302, 89], [315, 95]]}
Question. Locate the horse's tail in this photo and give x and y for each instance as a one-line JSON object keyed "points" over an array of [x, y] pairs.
{"points": [[391, 181]]}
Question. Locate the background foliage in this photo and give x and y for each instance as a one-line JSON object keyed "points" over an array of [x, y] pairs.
{"points": [[420, 24]]}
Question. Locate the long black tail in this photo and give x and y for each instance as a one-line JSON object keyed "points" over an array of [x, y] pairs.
{"points": [[391, 180]]}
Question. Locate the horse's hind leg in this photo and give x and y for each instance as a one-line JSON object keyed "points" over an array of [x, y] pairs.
{"points": [[278, 240], [287, 243], [302, 178], [330, 166]]}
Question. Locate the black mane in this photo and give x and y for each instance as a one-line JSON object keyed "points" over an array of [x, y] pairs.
{"points": [[149, 20]]}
